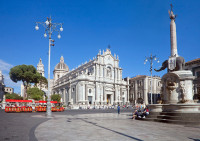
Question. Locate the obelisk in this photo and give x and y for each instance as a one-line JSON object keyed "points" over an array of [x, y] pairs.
{"points": [[174, 52]]}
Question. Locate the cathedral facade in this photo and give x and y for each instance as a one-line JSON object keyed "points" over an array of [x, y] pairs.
{"points": [[97, 82]]}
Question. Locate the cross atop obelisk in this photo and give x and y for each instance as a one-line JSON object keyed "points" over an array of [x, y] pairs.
{"points": [[171, 7], [172, 16]]}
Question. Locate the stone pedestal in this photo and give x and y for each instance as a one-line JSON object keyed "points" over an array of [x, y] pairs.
{"points": [[177, 95], [177, 87]]}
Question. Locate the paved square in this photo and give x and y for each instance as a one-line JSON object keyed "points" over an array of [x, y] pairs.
{"points": [[111, 126]]}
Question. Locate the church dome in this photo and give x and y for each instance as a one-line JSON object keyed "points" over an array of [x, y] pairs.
{"points": [[61, 65]]}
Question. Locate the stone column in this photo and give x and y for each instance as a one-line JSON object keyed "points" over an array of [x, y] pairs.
{"points": [[104, 95], [67, 96], [111, 99], [118, 74], [100, 72], [115, 75], [174, 51], [128, 89], [136, 91], [146, 90], [104, 71], [64, 97], [60, 93], [77, 93], [115, 93], [96, 91], [70, 94], [86, 93]]}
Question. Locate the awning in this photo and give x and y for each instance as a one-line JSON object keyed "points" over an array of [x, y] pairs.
{"points": [[14, 100], [45, 101]]}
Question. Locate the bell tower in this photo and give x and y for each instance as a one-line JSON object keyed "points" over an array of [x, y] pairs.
{"points": [[40, 68]]}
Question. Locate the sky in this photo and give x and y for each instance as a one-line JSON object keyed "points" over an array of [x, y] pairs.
{"points": [[134, 29]]}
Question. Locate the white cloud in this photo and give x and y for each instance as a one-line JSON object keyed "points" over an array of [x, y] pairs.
{"points": [[5, 68]]}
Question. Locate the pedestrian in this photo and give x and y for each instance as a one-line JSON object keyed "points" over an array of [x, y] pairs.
{"points": [[135, 114], [118, 109]]}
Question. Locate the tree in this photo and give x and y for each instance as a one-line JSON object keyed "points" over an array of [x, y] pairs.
{"points": [[55, 97], [13, 96], [25, 73], [35, 93], [42, 81]]}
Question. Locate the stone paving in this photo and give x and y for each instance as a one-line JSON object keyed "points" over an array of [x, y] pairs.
{"points": [[111, 127], [19, 126]]}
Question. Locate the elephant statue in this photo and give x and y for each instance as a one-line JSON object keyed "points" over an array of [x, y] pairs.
{"points": [[180, 64]]}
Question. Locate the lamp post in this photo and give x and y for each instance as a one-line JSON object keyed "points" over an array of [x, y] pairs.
{"points": [[151, 59], [49, 28]]}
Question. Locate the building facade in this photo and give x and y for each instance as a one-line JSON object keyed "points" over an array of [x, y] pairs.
{"points": [[194, 66], [97, 82], [140, 89], [2, 86]]}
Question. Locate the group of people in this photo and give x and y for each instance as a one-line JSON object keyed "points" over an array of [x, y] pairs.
{"points": [[141, 113]]}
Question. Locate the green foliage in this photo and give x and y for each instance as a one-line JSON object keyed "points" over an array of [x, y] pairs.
{"points": [[35, 93], [25, 73], [13, 96], [55, 97], [42, 81]]}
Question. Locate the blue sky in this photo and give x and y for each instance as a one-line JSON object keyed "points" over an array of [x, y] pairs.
{"points": [[133, 28]]}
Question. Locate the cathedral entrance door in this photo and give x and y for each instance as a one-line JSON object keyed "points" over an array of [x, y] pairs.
{"points": [[90, 99], [108, 99]]}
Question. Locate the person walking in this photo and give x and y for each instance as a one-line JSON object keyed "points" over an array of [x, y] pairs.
{"points": [[118, 109]]}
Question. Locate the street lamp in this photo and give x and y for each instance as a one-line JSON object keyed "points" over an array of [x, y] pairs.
{"points": [[49, 28], [151, 59]]}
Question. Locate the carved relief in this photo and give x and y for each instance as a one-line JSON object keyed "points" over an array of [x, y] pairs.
{"points": [[171, 84], [182, 91]]}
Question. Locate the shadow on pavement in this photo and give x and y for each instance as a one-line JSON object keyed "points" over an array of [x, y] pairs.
{"points": [[112, 130], [194, 139]]}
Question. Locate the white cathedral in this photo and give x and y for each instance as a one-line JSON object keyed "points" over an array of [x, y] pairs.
{"points": [[97, 82]]}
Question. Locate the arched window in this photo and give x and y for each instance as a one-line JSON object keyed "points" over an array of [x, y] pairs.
{"points": [[90, 90]]}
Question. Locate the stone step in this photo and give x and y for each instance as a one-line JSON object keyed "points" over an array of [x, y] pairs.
{"points": [[180, 116], [175, 118], [178, 122], [146, 119], [168, 117]]}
